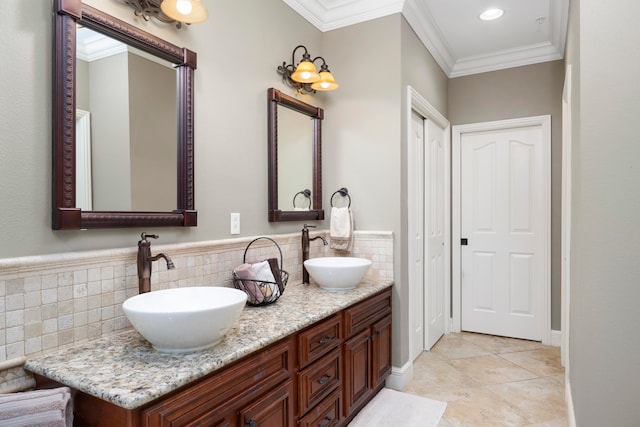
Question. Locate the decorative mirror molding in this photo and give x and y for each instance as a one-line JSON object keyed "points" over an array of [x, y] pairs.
{"points": [[316, 115], [65, 214]]}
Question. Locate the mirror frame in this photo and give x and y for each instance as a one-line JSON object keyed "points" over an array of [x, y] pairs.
{"points": [[65, 214], [275, 98]]}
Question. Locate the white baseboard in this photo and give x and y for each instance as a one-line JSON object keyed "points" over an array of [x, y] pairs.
{"points": [[556, 338], [569, 400], [400, 377]]}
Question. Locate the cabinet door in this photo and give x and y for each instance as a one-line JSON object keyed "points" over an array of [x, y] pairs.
{"points": [[275, 409], [357, 358], [381, 351]]}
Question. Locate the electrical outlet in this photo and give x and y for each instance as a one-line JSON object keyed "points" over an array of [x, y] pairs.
{"points": [[235, 223]]}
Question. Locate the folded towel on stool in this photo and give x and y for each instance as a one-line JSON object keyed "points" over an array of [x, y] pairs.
{"points": [[51, 408], [247, 277], [341, 229]]}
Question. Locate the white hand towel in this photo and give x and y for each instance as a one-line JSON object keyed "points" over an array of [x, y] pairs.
{"points": [[263, 272], [341, 229]]}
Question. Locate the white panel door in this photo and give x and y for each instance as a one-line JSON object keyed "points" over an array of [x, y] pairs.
{"points": [[416, 275], [434, 231], [502, 273]]}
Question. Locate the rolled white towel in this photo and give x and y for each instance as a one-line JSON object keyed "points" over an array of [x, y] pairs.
{"points": [[263, 272]]}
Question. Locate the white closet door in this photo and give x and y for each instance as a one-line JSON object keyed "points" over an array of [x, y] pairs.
{"points": [[434, 231], [502, 186]]}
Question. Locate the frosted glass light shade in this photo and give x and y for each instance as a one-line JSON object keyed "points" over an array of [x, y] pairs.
{"points": [[326, 82], [187, 11], [305, 73]]}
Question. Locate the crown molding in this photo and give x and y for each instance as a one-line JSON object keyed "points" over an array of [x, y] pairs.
{"points": [[93, 46], [418, 16], [525, 55], [330, 15]]}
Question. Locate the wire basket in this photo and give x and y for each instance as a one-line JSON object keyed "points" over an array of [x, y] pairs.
{"points": [[260, 292]]}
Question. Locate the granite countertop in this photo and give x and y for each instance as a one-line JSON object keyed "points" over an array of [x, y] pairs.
{"points": [[124, 369]]}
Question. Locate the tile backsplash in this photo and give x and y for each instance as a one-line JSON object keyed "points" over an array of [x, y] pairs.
{"points": [[51, 301]]}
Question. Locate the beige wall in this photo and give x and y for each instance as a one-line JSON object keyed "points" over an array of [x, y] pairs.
{"points": [[110, 138], [604, 346], [361, 141], [364, 143], [153, 129], [531, 90], [230, 117]]}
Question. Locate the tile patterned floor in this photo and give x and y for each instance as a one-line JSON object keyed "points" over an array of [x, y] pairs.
{"points": [[493, 381]]}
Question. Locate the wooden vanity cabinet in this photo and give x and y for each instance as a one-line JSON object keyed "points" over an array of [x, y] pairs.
{"points": [[255, 390], [313, 378], [367, 351]]}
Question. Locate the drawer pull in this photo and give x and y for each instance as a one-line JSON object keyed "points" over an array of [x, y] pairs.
{"points": [[328, 423], [324, 379], [326, 339], [251, 423]]}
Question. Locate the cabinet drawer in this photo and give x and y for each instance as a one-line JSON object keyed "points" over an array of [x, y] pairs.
{"points": [[326, 414], [319, 380], [272, 410], [239, 382], [362, 315], [318, 340]]}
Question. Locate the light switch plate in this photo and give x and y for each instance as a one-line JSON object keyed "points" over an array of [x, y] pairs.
{"points": [[235, 223]]}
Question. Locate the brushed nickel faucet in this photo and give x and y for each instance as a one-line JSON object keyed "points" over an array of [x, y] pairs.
{"points": [[305, 249], [145, 261]]}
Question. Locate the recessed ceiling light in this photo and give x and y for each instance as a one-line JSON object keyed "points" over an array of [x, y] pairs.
{"points": [[491, 14]]}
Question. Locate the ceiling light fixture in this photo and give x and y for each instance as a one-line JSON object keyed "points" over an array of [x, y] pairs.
{"points": [[304, 77], [170, 11], [491, 14]]}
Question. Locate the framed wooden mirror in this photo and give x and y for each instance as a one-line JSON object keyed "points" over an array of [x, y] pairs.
{"points": [[70, 15], [295, 158]]}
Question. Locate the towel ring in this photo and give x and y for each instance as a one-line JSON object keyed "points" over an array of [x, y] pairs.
{"points": [[306, 193], [344, 193]]}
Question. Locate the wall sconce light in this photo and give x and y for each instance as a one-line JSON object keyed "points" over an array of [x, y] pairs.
{"points": [[304, 77], [170, 11]]}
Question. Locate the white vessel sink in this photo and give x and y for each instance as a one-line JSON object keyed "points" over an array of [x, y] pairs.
{"points": [[337, 273], [185, 319]]}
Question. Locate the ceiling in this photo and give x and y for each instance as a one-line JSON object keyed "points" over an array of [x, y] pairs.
{"points": [[529, 32]]}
